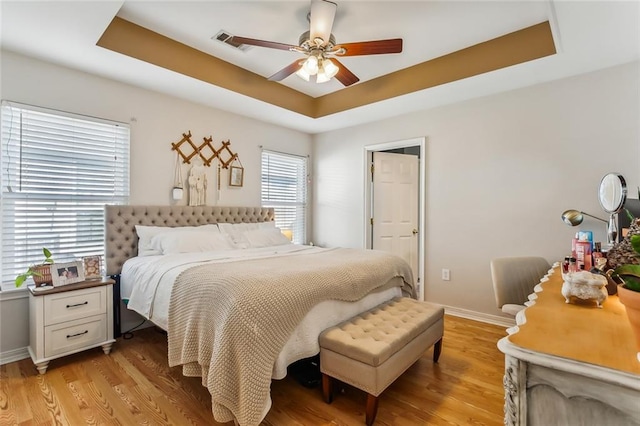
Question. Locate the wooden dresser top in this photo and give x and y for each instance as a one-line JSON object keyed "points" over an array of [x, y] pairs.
{"points": [[581, 332]]}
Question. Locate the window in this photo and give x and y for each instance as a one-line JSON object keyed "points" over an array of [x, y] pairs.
{"points": [[58, 172], [284, 187]]}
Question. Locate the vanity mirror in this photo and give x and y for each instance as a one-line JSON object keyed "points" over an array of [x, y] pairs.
{"points": [[612, 195]]}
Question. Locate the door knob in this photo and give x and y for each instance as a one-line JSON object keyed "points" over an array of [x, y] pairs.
{"points": [[415, 231]]}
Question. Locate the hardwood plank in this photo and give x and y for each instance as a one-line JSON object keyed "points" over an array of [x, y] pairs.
{"points": [[135, 385]]}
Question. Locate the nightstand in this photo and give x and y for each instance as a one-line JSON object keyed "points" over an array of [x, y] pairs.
{"points": [[68, 319]]}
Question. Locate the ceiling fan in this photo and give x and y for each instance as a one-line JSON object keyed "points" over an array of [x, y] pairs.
{"points": [[321, 49]]}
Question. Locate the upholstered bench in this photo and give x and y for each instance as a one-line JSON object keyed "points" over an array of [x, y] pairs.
{"points": [[373, 349]]}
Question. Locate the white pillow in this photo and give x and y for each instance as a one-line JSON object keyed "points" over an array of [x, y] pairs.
{"points": [[237, 227], [266, 237], [188, 241], [236, 231], [146, 233]]}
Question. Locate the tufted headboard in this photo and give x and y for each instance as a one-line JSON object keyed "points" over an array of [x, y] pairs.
{"points": [[121, 240]]}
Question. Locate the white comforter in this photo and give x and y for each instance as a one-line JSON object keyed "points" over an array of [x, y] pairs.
{"points": [[147, 282]]}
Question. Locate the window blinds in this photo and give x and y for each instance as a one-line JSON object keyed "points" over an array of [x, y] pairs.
{"points": [[58, 172], [284, 187]]}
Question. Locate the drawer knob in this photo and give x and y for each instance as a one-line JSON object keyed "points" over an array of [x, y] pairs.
{"points": [[78, 304], [77, 334]]}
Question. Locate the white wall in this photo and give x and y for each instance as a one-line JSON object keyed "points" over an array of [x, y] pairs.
{"points": [[157, 121], [500, 171]]}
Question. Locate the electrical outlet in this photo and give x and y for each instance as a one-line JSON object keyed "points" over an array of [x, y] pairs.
{"points": [[446, 275]]}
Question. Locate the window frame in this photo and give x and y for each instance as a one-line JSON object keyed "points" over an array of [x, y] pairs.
{"points": [[33, 182], [277, 204]]}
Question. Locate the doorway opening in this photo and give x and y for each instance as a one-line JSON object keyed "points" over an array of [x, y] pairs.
{"points": [[412, 147]]}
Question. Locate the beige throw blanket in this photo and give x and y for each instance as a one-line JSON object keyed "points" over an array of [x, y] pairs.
{"points": [[229, 321]]}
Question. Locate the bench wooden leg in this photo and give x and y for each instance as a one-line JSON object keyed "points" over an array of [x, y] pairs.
{"points": [[327, 388], [437, 348], [372, 409]]}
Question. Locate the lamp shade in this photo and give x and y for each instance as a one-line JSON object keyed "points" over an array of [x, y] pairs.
{"points": [[572, 217], [575, 217], [311, 65], [330, 69], [322, 77], [303, 74]]}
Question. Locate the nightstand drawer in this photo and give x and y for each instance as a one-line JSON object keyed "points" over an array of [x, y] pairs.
{"points": [[68, 306], [72, 335]]}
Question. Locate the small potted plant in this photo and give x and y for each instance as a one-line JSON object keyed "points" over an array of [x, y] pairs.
{"points": [[629, 292], [41, 273]]}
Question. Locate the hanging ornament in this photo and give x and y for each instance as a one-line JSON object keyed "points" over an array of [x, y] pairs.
{"points": [[177, 191]]}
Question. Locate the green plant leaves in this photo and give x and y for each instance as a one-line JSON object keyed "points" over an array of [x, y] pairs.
{"points": [[632, 283], [630, 274], [47, 255], [635, 243], [31, 271], [20, 279]]}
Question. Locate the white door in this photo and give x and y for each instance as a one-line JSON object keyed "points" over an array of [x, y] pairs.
{"points": [[395, 206]]}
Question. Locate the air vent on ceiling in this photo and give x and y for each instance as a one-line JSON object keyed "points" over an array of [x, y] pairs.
{"points": [[225, 37]]}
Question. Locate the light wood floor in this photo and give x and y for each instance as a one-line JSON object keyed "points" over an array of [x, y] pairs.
{"points": [[134, 385]]}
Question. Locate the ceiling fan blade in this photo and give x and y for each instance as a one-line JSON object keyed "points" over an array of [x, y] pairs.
{"points": [[321, 19], [376, 47], [286, 71], [344, 76], [261, 43]]}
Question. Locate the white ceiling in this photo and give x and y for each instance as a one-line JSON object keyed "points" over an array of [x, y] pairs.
{"points": [[589, 35]]}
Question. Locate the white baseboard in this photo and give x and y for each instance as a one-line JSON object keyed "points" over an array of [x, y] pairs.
{"points": [[13, 355], [479, 316]]}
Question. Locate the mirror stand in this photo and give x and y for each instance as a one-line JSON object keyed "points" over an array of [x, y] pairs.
{"points": [[612, 230]]}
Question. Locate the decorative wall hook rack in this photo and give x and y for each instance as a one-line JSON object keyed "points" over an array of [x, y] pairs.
{"points": [[190, 150]]}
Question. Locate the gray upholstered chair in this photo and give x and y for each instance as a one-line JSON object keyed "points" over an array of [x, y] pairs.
{"points": [[514, 279]]}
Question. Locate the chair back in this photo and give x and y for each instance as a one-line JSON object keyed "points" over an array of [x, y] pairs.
{"points": [[515, 277]]}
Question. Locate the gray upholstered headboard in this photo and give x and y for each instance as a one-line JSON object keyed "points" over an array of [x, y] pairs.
{"points": [[121, 240]]}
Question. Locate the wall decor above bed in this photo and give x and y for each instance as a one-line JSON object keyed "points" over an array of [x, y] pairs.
{"points": [[201, 151]]}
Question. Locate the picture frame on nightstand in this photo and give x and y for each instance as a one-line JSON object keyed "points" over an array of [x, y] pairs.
{"points": [[67, 273], [92, 267]]}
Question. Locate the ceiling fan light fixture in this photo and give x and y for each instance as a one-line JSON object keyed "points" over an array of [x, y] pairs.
{"points": [[320, 49], [303, 74], [311, 65], [322, 77], [330, 69], [326, 71]]}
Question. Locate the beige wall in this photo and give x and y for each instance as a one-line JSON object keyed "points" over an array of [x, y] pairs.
{"points": [[156, 120], [500, 171]]}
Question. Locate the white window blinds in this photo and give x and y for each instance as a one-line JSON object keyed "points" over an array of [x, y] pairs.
{"points": [[284, 187], [58, 172]]}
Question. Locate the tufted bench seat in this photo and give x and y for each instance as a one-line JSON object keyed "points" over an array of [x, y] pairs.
{"points": [[373, 349]]}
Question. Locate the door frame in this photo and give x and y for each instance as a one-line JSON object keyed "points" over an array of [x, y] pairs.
{"points": [[422, 180]]}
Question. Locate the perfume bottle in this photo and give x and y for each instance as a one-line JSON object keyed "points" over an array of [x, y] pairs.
{"points": [[573, 265]]}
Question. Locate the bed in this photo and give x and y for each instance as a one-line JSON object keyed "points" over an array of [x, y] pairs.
{"points": [[238, 303]]}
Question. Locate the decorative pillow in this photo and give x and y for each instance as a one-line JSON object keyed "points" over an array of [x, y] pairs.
{"points": [[188, 241], [266, 237], [146, 233]]}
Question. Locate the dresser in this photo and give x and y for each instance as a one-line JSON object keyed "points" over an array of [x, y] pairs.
{"points": [[570, 364], [68, 319]]}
